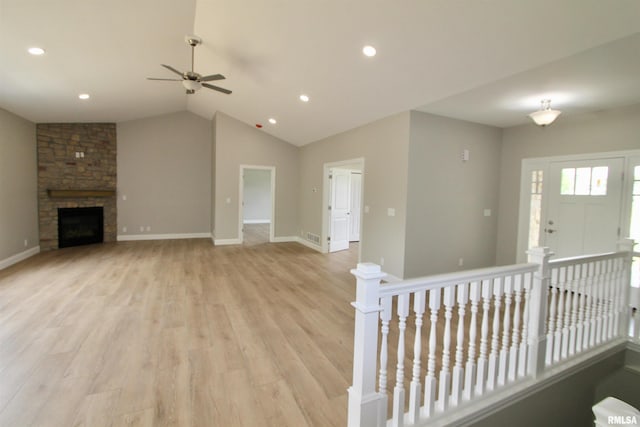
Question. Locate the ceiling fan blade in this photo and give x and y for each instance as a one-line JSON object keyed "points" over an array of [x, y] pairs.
{"points": [[219, 89], [212, 77], [167, 80], [170, 68]]}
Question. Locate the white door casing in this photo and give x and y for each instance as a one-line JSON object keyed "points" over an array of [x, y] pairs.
{"points": [[583, 220], [356, 201], [339, 209]]}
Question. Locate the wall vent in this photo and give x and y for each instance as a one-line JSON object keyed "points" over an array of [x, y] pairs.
{"points": [[314, 238]]}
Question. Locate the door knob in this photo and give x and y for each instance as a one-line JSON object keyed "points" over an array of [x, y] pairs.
{"points": [[549, 230]]}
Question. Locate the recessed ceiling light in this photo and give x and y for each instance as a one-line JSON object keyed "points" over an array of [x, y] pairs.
{"points": [[36, 51], [304, 98], [84, 96], [272, 121], [369, 51]]}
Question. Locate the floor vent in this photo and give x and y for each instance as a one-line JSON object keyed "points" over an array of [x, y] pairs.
{"points": [[313, 238]]}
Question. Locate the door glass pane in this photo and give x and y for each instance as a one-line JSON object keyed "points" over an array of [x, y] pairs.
{"points": [[583, 181], [599, 181], [535, 210], [636, 188], [636, 173], [568, 181]]}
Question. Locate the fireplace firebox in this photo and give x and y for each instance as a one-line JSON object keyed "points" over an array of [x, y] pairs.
{"points": [[80, 226]]}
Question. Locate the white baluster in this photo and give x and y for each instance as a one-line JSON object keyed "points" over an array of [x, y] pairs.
{"points": [[567, 313], [506, 329], [599, 299], [515, 338], [552, 317], [580, 328], [458, 368], [430, 381], [419, 302], [575, 297], [470, 368], [398, 390], [487, 292], [495, 336], [612, 280], [385, 318], [445, 375], [557, 336], [590, 324], [522, 357]]}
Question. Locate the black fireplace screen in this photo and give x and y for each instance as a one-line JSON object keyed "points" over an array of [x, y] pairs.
{"points": [[80, 226]]}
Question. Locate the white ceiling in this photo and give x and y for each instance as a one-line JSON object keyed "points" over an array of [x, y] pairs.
{"points": [[488, 61]]}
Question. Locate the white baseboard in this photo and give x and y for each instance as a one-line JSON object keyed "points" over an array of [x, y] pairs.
{"points": [[284, 239], [308, 244], [223, 242], [169, 236], [256, 221], [14, 259]]}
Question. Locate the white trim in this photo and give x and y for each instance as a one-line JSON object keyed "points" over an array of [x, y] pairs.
{"points": [[224, 242], [284, 239], [390, 278], [308, 244], [169, 236], [257, 221], [14, 259]]}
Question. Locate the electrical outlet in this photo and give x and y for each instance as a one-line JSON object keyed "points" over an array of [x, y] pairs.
{"points": [[124, 229], [381, 260], [460, 262], [142, 228], [148, 228], [26, 242]]}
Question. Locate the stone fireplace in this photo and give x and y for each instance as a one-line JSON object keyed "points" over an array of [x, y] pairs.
{"points": [[76, 169]]}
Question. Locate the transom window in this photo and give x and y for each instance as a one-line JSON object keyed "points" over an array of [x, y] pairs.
{"points": [[584, 181]]}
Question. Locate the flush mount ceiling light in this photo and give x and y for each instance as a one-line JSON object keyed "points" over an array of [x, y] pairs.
{"points": [[545, 115], [272, 121], [84, 96], [369, 51], [304, 98], [36, 51]]}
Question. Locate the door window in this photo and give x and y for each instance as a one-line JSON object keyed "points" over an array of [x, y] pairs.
{"points": [[589, 181]]}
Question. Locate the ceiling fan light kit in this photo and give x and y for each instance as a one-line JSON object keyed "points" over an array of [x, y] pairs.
{"points": [[191, 80], [545, 115]]}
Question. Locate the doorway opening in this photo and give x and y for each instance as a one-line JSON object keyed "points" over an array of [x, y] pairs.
{"points": [[343, 200], [257, 204]]}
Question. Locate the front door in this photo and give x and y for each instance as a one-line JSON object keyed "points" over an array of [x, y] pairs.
{"points": [[340, 204], [583, 216]]}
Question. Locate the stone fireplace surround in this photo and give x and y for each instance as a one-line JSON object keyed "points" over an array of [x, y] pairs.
{"points": [[76, 168]]}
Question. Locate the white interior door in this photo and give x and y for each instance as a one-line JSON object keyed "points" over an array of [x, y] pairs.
{"points": [[339, 208], [356, 200], [583, 215]]}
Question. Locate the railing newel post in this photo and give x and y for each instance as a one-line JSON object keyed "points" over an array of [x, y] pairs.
{"points": [[623, 311], [537, 338], [364, 401]]}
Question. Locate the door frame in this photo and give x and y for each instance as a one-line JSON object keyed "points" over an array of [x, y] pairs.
{"points": [[544, 164], [326, 185], [272, 174]]}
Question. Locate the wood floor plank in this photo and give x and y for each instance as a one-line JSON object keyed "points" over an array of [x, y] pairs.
{"points": [[177, 333]]}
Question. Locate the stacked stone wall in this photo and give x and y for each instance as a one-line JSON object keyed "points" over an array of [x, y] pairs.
{"points": [[75, 156]]}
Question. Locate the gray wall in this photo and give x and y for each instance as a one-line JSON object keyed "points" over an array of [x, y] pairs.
{"points": [[257, 195], [384, 145], [447, 197], [18, 185], [164, 169], [240, 144], [610, 130]]}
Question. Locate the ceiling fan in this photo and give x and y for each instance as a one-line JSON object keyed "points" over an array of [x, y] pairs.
{"points": [[191, 80]]}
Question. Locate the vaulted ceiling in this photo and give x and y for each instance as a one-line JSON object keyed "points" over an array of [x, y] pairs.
{"points": [[488, 61]]}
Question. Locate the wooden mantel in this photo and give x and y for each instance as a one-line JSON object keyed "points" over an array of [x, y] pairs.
{"points": [[80, 193]]}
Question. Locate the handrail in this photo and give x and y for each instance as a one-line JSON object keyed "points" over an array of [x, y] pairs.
{"points": [[563, 262], [442, 280]]}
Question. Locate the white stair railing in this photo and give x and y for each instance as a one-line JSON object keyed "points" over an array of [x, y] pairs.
{"points": [[478, 331]]}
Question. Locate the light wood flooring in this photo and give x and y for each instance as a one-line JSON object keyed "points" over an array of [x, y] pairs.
{"points": [[177, 333]]}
